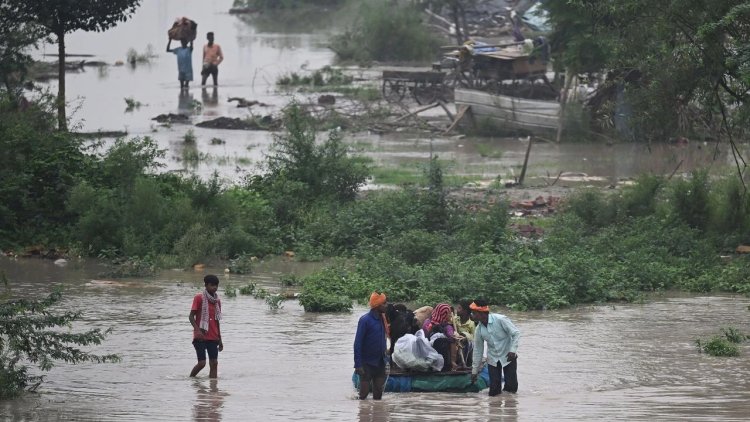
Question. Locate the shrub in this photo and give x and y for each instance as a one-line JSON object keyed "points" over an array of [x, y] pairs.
{"points": [[39, 167], [386, 31], [196, 245], [330, 290], [690, 200], [300, 171], [242, 264], [415, 246], [275, 302], [718, 346]]}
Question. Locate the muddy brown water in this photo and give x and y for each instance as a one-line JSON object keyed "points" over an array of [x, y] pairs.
{"points": [[634, 361]]}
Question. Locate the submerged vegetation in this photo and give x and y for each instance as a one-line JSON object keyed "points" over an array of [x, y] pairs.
{"points": [[726, 344]]}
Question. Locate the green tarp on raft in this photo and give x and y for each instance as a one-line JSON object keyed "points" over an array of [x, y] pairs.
{"points": [[427, 382]]}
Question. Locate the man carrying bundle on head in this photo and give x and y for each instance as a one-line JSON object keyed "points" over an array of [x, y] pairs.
{"points": [[370, 348], [502, 344]]}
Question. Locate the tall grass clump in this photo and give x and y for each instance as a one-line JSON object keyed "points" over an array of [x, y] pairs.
{"points": [[386, 31]]}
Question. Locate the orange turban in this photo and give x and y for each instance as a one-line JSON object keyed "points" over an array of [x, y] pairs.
{"points": [[377, 299], [475, 307]]}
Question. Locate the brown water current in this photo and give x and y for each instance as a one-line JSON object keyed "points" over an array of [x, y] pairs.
{"points": [[634, 361]]}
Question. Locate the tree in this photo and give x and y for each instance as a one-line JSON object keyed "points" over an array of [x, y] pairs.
{"points": [[59, 17], [31, 332], [15, 38], [681, 66]]}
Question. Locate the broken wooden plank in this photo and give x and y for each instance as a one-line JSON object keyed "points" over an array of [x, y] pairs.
{"points": [[462, 109], [417, 111]]}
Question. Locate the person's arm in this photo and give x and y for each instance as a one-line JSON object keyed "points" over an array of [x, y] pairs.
{"points": [[169, 44], [515, 335], [478, 353], [221, 343], [204, 54], [191, 46], [194, 323], [359, 339], [219, 55]]}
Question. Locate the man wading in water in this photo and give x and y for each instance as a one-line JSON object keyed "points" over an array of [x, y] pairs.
{"points": [[204, 317], [502, 344], [370, 348], [212, 57]]}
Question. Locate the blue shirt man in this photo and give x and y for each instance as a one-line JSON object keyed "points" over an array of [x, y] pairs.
{"points": [[370, 348]]}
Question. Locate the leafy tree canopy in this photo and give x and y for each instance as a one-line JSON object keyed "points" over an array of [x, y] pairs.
{"points": [[681, 63]]}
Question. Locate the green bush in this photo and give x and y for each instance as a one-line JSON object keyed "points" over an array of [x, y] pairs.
{"points": [[300, 171], [242, 264], [331, 289], [386, 31], [718, 346], [415, 246], [689, 200], [39, 168]]}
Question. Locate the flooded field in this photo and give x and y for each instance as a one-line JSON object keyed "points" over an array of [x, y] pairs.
{"points": [[254, 61], [627, 362]]}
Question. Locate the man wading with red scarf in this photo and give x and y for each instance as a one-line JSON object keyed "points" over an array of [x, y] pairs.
{"points": [[204, 317]]}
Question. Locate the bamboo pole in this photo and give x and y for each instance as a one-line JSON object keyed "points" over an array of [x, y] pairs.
{"points": [[526, 161], [563, 101]]}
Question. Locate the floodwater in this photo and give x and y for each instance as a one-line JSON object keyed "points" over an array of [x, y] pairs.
{"points": [[634, 361], [255, 60], [630, 362]]}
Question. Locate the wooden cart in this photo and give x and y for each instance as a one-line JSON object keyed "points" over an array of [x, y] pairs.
{"points": [[425, 85], [490, 70]]}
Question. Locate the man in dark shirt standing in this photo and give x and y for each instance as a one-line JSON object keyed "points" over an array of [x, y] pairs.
{"points": [[370, 348]]}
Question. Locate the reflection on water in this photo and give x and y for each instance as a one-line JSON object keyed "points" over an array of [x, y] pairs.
{"points": [[210, 100], [208, 400], [185, 102], [633, 362]]}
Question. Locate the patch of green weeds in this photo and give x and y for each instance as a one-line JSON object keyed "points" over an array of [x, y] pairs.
{"points": [[489, 151], [248, 289], [189, 137], [718, 346], [733, 335], [134, 57], [242, 264], [132, 104], [130, 267], [289, 280], [230, 290], [275, 301], [325, 77], [217, 141]]}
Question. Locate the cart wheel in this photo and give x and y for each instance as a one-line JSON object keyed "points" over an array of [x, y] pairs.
{"points": [[426, 94], [393, 91]]}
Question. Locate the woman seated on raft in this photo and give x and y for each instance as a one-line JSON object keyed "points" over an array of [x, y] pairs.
{"points": [[441, 322]]}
